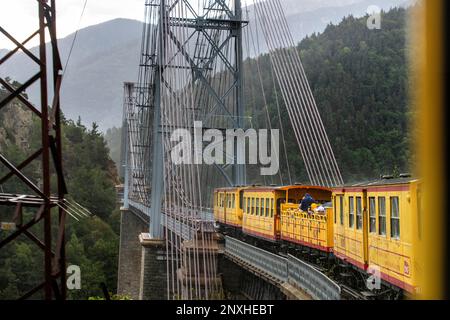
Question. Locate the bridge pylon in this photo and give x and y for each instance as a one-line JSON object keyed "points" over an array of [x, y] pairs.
{"points": [[190, 72]]}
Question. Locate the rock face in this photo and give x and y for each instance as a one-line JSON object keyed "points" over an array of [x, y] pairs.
{"points": [[15, 126]]}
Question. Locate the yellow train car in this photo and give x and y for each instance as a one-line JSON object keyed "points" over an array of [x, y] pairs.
{"points": [[376, 225], [314, 229], [262, 212], [393, 223], [228, 208], [219, 206]]}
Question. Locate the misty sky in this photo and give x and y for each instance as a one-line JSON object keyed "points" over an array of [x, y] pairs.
{"points": [[19, 17]]}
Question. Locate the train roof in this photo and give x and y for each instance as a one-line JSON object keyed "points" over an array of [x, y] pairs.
{"points": [[380, 183], [225, 189], [255, 188], [383, 182], [366, 184]]}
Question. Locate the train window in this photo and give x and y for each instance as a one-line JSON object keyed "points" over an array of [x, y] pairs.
{"points": [[359, 216], [267, 207], [262, 208], [257, 206], [233, 201], [335, 209], [241, 200], [372, 216], [271, 208], [279, 202], [395, 218], [341, 208], [253, 205], [351, 212], [248, 205], [382, 216], [244, 204]]}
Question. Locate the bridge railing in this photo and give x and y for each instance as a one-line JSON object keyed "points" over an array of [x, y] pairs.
{"points": [[285, 270], [139, 206], [314, 282], [271, 264], [187, 228]]}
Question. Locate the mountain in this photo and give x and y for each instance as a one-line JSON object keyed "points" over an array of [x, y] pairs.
{"points": [[107, 54], [104, 56]]}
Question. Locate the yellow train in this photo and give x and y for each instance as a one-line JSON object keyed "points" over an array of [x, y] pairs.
{"points": [[371, 226]]}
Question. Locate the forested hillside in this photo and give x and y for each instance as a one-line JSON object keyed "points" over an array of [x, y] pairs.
{"points": [[359, 78], [91, 177]]}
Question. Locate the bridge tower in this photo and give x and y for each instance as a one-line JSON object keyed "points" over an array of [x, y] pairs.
{"points": [[190, 72]]}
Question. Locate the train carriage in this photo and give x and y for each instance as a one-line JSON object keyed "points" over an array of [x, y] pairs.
{"points": [[393, 224], [219, 206], [228, 206], [311, 229], [262, 212], [273, 213], [375, 227]]}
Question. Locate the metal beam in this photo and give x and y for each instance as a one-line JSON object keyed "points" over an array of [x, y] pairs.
{"points": [[49, 154]]}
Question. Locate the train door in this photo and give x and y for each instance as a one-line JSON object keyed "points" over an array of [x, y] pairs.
{"points": [[357, 235], [240, 208], [280, 199], [365, 228], [340, 247]]}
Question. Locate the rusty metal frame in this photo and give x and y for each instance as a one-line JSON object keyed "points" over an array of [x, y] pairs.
{"points": [[44, 198]]}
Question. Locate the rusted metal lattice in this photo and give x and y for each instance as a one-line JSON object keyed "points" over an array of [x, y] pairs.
{"points": [[43, 200]]}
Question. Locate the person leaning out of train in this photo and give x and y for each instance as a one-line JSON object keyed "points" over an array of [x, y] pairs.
{"points": [[306, 203]]}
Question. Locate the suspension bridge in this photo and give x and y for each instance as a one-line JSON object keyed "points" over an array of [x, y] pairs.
{"points": [[192, 71], [195, 57]]}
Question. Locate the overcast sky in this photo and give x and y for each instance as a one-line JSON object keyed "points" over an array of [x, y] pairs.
{"points": [[18, 17]]}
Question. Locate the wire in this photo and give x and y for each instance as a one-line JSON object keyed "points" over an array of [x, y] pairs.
{"points": [[75, 38], [318, 156]]}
